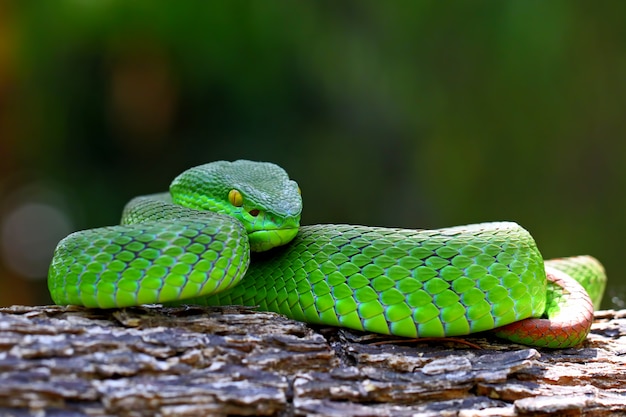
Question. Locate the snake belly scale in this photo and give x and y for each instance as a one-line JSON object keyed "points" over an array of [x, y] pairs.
{"points": [[193, 246]]}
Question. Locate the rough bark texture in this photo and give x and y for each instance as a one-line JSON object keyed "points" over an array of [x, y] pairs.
{"points": [[192, 361]]}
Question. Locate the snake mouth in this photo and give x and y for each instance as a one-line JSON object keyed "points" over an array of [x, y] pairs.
{"points": [[262, 240]]}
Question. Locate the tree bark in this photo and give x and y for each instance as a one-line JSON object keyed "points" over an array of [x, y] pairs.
{"points": [[192, 361]]}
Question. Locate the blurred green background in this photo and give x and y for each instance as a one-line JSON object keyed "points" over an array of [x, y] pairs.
{"points": [[397, 113]]}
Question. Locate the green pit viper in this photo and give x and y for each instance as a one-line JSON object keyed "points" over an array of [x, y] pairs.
{"points": [[193, 245]]}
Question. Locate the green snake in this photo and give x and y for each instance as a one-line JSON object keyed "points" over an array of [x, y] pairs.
{"points": [[193, 245]]}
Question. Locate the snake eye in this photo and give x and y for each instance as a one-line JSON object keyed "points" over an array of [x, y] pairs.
{"points": [[235, 198]]}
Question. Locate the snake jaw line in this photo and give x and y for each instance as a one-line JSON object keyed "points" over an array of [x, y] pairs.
{"points": [[264, 240], [267, 230]]}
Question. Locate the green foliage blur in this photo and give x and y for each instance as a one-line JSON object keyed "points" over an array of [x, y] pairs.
{"points": [[396, 113]]}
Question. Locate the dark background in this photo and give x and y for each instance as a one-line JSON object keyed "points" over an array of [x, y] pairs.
{"points": [[397, 113]]}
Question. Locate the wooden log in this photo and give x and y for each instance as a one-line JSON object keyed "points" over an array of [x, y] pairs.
{"points": [[193, 361]]}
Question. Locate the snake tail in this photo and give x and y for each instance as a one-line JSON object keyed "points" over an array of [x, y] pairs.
{"points": [[569, 310]]}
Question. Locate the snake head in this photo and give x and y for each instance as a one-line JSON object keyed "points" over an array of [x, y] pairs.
{"points": [[259, 194]]}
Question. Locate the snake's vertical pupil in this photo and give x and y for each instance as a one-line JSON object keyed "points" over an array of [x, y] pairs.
{"points": [[235, 198]]}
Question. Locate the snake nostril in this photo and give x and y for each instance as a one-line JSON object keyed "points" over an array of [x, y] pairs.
{"points": [[254, 212]]}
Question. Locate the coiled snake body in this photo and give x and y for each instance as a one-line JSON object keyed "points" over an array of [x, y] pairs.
{"points": [[193, 246]]}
